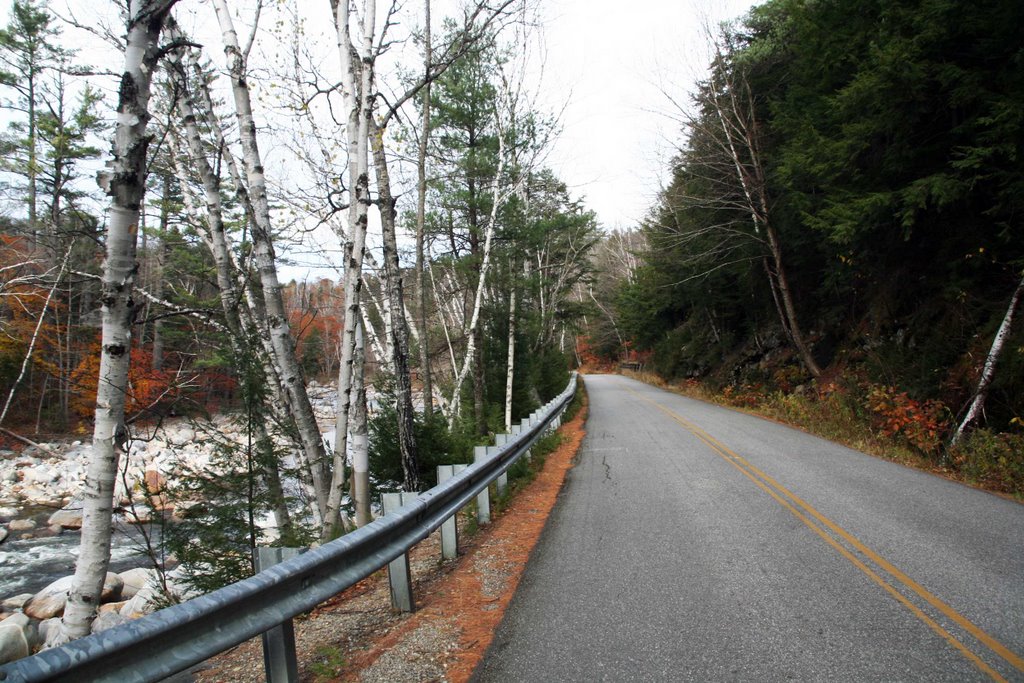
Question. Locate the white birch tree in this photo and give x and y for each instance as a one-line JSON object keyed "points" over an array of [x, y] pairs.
{"points": [[125, 185], [281, 340], [988, 372]]}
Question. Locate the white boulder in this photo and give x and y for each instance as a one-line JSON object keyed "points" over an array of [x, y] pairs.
{"points": [[15, 601], [50, 632], [107, 620], [50, 601], [68, 517], [135, 580], [28, 626], [13, 644]]}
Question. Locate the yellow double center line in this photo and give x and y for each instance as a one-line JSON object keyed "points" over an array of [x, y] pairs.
{"points": [[818, 523]]}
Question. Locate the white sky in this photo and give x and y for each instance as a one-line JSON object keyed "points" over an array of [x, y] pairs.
{"points": [[605, 65], [612, 59]]}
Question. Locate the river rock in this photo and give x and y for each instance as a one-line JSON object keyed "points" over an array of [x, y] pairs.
{"points": [[13, 644], [19, 618], [112, 606], [41, 474], [28, 626], [8, 512], [135, 580], [138, 606], [155, 482], [184, 437], [69, 517], [3, 534], [49, 631], [50, 601], [16, 602], [139, 513], [21, 524], [145, 601], [35, 495], [107, 620]]}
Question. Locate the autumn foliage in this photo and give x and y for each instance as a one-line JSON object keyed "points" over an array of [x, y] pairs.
{"points": [[922, 424], [316, 315], [148, 389]]}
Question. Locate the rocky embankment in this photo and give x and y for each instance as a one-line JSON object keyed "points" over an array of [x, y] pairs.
{"points": [[52, 475], [31, 621]]}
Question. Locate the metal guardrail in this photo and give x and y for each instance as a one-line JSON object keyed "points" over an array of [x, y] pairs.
{"points": [[176, 638]]}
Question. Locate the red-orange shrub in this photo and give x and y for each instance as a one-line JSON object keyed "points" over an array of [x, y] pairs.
{"points": [[921, 423]]}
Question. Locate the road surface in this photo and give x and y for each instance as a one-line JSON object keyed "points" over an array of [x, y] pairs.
{"points": [[696, 543]]}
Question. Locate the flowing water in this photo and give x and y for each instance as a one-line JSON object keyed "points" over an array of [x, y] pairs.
{"points": [[28, 565]]}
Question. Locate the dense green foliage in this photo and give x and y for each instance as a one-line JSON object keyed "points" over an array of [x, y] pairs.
{"points": [[888, 139]]}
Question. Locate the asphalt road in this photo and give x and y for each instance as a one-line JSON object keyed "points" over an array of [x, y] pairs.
{"points": [[696, 543]]}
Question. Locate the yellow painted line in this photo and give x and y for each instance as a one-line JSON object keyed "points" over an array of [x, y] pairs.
{"points": [[766, 483]]}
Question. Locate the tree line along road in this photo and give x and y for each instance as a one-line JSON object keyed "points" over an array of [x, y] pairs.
{"points": [[693, 542]]}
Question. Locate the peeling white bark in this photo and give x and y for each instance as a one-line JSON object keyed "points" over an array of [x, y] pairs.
{"points": [[125, 185], [357, 80]]}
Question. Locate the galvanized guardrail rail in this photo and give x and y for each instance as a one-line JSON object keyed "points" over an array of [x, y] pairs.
{"points": [[174, 639]]}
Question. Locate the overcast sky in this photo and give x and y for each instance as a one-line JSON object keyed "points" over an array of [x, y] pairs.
{"points": [[612, 59]]}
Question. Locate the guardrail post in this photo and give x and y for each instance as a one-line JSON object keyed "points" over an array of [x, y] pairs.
{"points": [[515, 431], [501, 483], [483, 499], [449, 527], [502, 480], [279, 659], [399, 577]]}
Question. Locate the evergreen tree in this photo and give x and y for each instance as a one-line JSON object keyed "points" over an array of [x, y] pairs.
{"points": [[28, 58]]}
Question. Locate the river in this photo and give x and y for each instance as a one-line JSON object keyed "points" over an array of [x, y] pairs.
{"points": [[28, 565]]}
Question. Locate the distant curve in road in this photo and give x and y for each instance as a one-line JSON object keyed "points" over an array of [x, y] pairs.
{"points": [[697, 543]]}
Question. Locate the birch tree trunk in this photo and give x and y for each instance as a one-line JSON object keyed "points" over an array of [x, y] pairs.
{"points": [[125, 185], [399, 326], [739, 130], [161, 263], [253, 315], [485, 264], [989, 371], [357, 76], [421, 203], [360, 436], [279, 330], [510, 365]]}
